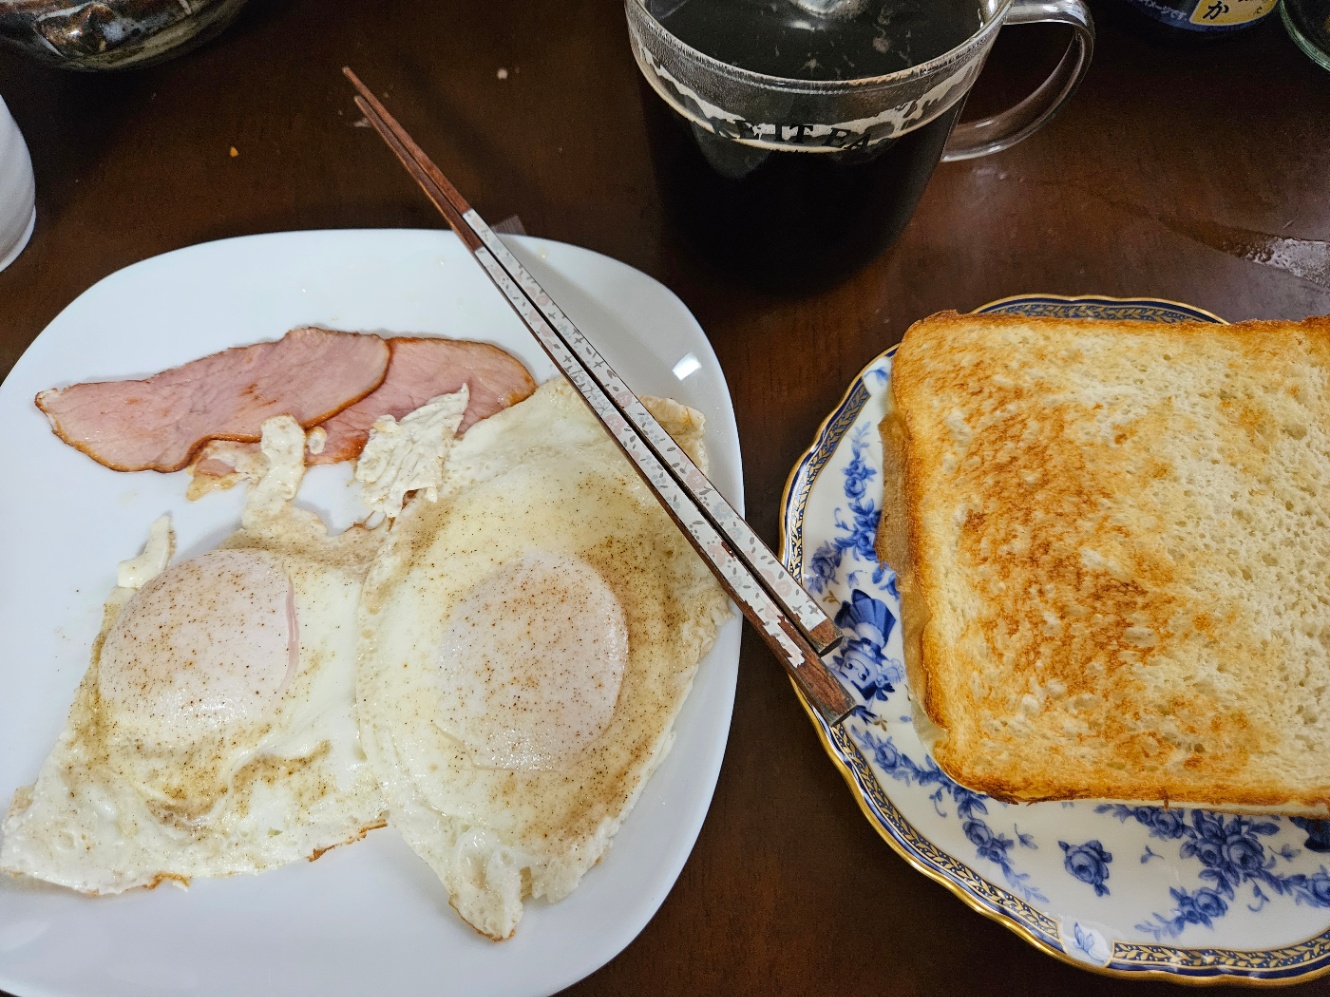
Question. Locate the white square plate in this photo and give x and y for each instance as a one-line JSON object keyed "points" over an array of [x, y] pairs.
{"points": [[369, 917]]}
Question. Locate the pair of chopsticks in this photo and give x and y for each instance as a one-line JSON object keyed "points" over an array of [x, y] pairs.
{"points": [[784, 614]]}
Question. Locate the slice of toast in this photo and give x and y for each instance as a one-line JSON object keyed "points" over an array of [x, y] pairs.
{"points": [[1113, 549]]}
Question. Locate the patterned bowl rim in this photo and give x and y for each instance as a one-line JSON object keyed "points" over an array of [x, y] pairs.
{"points": [[1213, 974]]}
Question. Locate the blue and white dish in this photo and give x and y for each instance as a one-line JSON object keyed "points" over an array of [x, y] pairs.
{"points": [[1181, 893]]}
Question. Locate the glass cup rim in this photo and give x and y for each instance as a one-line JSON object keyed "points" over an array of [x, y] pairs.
{"points": [[790, 85]]}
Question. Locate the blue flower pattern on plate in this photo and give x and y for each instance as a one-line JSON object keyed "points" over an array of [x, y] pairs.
{"points": [[862, 658], [1318, 833], [1088, 863], [1231, 855], [856, 530], [971, 807]]}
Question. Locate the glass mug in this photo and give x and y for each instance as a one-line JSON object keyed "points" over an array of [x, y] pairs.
{"points": [[794, 182]]}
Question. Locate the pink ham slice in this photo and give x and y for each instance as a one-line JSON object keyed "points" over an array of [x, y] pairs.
{"points": [[159, 423], [421, 369]]}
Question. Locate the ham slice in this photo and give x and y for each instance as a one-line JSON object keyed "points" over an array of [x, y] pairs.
{"points": [[160, 422], [421, 368]]}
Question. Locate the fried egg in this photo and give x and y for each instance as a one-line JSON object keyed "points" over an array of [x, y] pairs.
{"points": [[214, 731], [526, 643]]}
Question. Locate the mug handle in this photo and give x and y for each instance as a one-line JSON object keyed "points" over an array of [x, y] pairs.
{"points": [[972, 139]]}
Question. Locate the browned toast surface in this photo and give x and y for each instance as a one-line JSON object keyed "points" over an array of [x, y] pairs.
{"points": [[1113, 543]]}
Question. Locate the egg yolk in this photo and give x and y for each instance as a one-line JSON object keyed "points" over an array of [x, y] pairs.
{"points": [[207, 646], [531, 662]]}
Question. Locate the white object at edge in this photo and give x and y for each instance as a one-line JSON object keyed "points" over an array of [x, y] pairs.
{"points": [[18, 192]]}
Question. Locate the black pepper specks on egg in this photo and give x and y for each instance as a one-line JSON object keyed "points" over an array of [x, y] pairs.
{"points": [[536, 653]]}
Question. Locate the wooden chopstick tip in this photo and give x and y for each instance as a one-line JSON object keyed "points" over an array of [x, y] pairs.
{"points": [[359, 84]]}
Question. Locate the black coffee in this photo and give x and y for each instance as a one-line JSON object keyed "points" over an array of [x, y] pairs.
{"points": [[792, 218], [788, 220], [779, 38]]}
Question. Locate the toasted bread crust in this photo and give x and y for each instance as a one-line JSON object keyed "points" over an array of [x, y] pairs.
{"points": [[1113, 545], [893, 547]]}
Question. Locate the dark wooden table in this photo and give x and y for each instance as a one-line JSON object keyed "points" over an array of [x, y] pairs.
{"points": [[1164, 176]]}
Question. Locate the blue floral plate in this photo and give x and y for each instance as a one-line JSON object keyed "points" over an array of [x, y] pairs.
{"points": [[1185, 894]]}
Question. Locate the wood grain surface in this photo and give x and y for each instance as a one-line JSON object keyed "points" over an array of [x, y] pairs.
{"points": [[1165, 176]]}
